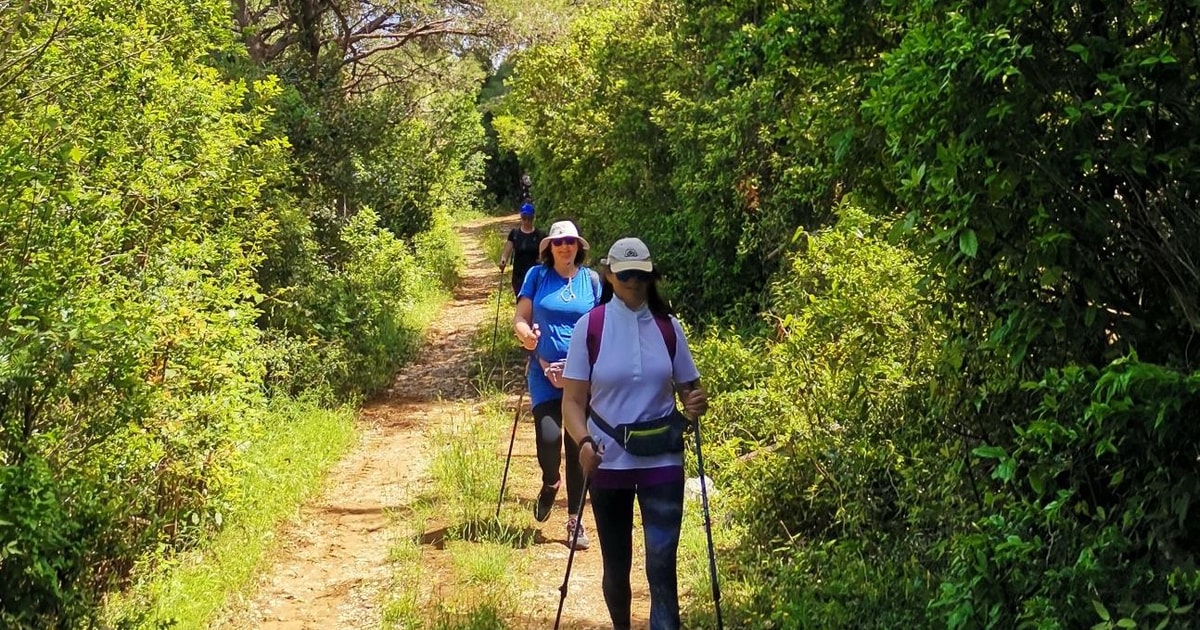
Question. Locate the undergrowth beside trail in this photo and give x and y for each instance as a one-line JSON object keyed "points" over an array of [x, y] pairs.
{"points": [[297, 444], [291, 443]]}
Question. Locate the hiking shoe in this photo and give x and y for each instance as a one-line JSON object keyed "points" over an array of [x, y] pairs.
{"points": [[545, 501], [573, 523]]}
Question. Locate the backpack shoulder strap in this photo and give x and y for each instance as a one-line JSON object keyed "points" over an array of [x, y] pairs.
{"points": [[668, 332], [595, 329], [537, 284], [595, 284]]}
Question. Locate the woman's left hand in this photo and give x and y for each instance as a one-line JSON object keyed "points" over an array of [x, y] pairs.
{"points": [[695, 403], [554, 373]]}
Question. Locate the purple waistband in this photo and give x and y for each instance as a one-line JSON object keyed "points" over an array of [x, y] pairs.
{"points": [[612, 479]]}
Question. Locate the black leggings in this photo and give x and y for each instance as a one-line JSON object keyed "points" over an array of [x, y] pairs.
{"points": [[662, 516], [547, 426]]}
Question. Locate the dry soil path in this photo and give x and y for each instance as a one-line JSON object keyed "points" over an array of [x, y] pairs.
{"points": [[331, 569]]}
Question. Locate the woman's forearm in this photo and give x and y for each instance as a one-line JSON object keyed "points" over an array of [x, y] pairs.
{"points": [[574, 408], [523, 326]]}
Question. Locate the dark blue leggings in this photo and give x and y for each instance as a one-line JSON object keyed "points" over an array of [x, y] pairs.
{"points": [[662, 514]]}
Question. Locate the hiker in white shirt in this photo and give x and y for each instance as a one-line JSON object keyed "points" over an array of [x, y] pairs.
{"points": [[631, 356]]}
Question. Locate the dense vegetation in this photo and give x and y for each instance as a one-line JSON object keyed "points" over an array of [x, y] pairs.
{"points": [[968, 234], [939, 258], [198, 224]]}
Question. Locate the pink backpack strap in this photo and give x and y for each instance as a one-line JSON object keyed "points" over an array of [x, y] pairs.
{"points": [[596, 329], [668, 333]]}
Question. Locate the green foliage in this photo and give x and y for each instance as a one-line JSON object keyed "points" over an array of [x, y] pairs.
{"points": [[820, 451], [364, 240], [1041, 152], [1088, 505], [1039, 157], [157, 231], [45, 547], [295, 444], [130, 218], [828, 584], [502, 176], [465, 477], [714, 159], [483, 617], [344, 329], [1047, 160]]}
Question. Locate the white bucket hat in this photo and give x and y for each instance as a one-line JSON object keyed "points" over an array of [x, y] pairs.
{"points": [[628, 253], [562, 229]]}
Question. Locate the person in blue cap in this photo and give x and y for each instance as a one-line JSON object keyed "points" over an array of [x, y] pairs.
{"points": [[521, 248]]}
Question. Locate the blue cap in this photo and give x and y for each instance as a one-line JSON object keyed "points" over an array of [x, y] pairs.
{"points": [[527, 208]]}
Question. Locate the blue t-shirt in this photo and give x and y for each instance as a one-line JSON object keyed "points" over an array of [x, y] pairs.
{"points": [[557, 305]]}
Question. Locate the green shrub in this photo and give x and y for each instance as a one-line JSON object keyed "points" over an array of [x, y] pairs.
{"points": [[854, 345], [1089, 510], [129, 358], [815, 440], [341, 330], [439, 252], [294, 444], [52, 530]]}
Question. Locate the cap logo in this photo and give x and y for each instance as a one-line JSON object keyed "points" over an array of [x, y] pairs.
{"points": [[631, 253]]}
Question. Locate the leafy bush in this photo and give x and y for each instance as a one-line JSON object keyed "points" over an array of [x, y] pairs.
{"points": [[821, 451], [714, 160], [130, 217], [346, 328], [854, 345], [151, 221], [1041, 159], [1088, 511]]}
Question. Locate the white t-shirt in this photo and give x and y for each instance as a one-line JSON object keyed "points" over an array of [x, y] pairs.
{"points": [[633, 378]]}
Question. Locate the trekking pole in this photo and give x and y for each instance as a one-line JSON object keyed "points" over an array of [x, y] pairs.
{"points": [[496, 320], [511, 440], [712, 557], [562, 590]]}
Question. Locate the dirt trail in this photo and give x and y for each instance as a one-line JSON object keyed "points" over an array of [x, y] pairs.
{"points": [[331, 570]]}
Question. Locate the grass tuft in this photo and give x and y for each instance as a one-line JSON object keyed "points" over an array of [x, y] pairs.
{"points": [[482, 570]]}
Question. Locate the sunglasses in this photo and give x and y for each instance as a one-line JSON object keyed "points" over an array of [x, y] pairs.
{"points": [[566, 240], [633, 274]]}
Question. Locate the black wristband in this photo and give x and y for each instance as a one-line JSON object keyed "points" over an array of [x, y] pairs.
{"points": [[587, 439]]}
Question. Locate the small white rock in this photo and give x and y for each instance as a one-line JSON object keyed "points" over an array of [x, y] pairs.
{"points": [[691, 488]]}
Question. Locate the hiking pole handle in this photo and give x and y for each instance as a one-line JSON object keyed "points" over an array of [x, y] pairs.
{"points": [[687, 388]]}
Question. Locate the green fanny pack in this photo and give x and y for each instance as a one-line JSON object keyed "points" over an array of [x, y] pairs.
{"points": [[651, 437]]}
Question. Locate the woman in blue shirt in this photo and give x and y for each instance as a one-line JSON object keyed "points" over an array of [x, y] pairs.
{"points": [[554, 295]]}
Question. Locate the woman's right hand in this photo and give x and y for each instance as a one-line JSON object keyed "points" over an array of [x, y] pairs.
{"points": [[529, 339], [589, 457]]}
